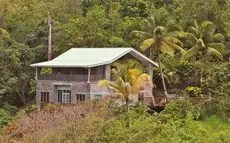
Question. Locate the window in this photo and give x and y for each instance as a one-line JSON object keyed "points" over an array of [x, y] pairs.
{"points": [[44, 97], [80, 97], [64, 96]]}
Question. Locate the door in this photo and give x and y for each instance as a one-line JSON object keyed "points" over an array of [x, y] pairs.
{"points": [[64, 94]]}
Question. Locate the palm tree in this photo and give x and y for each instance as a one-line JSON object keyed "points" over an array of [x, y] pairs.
{"points": [[207, 42], [158, 41], [126, 82]]}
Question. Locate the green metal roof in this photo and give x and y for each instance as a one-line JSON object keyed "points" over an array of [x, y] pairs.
{"points": [[91, 57]]}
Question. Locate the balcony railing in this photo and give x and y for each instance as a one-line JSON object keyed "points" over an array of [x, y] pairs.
{"points": [[69, 77]]}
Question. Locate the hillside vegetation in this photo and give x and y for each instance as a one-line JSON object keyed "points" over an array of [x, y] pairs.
{"points": [[100, 122], [189, 39]]}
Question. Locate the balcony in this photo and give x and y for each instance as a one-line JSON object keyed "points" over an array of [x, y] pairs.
{"points": [[69, 77]]}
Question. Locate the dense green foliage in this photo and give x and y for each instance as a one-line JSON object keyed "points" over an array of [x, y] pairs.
{"points": [[4, 117], [6, 114]]}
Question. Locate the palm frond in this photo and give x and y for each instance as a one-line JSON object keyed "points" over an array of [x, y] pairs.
{"points": [[166, 49], [194, 31], [115, 73], [159, 30], [196, 25], [134, 73], [214, 52], [107, 83], [190, 53], [218, 37], [200, 43], [152, 20], [173, 40], [147, 44], [207, 26], [182, 34], [148, 23], [141, 33], [218, 46], [133, 64], [115, 90], [142, 81], [176, 47]]}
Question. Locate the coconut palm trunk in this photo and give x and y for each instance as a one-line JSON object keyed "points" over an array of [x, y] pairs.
{"points": [[162, 78]]}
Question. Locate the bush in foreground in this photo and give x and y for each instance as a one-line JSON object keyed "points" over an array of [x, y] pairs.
{"points": [[98, 123]]}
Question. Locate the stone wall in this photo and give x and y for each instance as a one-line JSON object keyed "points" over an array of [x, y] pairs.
{"points": [[75, 87], [45, 86], [78, 87]]}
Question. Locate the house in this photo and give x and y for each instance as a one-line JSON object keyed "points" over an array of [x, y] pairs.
{"points": [[74, 74]]}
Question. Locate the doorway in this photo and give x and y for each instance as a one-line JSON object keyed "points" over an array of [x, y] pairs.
{"points": [[64, 94]]}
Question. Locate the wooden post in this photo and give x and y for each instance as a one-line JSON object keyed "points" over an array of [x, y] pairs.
{"points": [[88, 75], [49, 38]]}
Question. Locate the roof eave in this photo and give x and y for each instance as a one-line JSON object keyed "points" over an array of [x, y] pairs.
{"points": [[100, 64]]}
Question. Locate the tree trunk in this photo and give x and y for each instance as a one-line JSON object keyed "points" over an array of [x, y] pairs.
{"points": [[150, 53], [162, 78], [127, 109], [49, 38], [127, 104]]}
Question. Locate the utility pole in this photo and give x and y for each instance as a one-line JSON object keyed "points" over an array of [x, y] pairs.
{"points": [[49, 38]]}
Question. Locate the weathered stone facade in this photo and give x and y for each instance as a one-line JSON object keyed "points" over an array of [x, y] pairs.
{"points": [[84, 86]]}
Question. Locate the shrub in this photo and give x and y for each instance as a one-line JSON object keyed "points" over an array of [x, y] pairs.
{"points": [[179, 109], [11, 109], [99, 124], [193, 91], [217, 81], [4, 117], [217, 106], [30, 109]]}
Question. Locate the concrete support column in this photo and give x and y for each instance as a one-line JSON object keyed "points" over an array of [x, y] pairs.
{"points": [[150, 70], [88, 75], [108, 72], [38, 99], [53, 94], [36, 74]]}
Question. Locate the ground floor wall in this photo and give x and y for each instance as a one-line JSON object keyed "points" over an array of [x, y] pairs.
{"points": [[76, 88], [90, 91]]}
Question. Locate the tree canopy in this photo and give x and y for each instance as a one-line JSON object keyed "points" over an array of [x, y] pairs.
{"points": [[202, 27]]}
